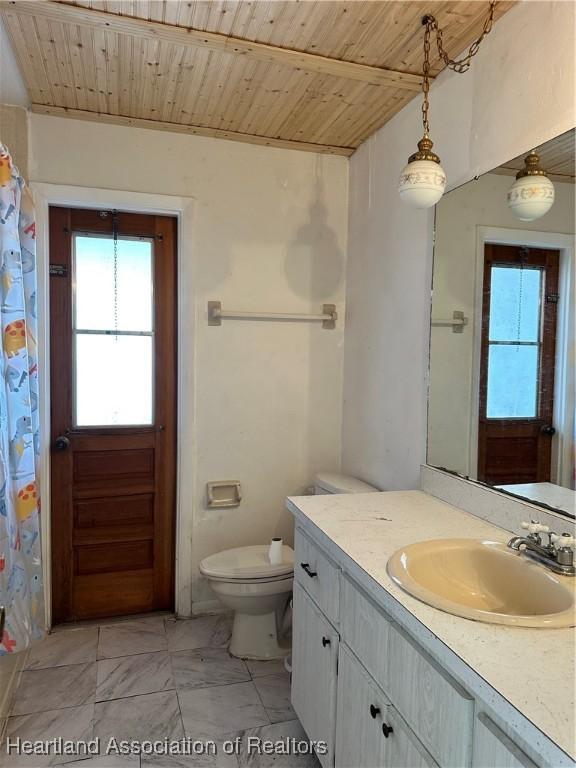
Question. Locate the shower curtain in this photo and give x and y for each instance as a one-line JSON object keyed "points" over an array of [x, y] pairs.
{"points": [[21, 587]]}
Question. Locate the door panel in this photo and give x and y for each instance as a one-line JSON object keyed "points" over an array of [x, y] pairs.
{"points": [[517, 364], [113, 481]]}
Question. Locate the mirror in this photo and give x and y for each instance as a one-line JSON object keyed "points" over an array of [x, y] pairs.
{"points": [[501, 406]]}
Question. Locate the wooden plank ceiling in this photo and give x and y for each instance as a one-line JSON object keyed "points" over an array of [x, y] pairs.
{"points": [[321, 75], [557, 158]]}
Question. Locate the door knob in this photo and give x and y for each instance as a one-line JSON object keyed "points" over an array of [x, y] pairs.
{"points": [[61, 443], [548, 429], [387, 730]]}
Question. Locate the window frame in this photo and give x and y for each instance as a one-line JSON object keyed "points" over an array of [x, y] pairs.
{"points": [[547, 260]]}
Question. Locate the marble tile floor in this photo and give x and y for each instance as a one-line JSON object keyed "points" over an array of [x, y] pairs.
{"points": [[151, 679]]}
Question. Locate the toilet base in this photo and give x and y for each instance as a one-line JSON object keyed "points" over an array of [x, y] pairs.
{"points": [[256, 637]]}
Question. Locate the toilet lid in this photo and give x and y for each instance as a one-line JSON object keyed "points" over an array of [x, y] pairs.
{"points": [[247, 563]]}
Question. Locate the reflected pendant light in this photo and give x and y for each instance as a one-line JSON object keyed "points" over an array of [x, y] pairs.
{"points": [[422, 181], [532, 194]]}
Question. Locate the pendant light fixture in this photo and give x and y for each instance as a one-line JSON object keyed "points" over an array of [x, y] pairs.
{"points": [[422, 182], [532, 194]]}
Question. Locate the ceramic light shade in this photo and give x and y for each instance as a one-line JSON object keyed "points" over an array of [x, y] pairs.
{"points": [[530, 197], [422, 182]]}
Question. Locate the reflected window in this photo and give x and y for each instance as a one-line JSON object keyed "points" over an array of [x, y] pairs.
{"points": [[113, 330], [514, 342]]}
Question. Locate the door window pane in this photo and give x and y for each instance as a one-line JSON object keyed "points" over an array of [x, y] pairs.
{"points": [[515, 304], [113, 331], [94, 276], [512, 381], [113, 380]]}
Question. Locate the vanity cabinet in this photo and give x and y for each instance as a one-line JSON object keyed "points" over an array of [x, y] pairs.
{"points": [[337, 699], [364, 686]]}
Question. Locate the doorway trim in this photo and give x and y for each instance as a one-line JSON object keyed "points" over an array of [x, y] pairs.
{"points": [[563, 385], [182, 208]]}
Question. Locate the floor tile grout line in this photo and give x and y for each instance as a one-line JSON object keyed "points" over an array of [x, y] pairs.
{"points": [[60, 666], [262, 702], [133, 695], [54, 709], [211, 685]]}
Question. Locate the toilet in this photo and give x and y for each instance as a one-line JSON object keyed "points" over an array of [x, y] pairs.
{"points": [[258, 591]]}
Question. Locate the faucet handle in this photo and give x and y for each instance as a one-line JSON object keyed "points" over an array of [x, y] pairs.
{"points": [[535, 527], [565, 541]]}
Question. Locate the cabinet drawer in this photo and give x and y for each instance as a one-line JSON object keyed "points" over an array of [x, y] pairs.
{"points": [[436, 707], [492, 747], [365, 630], [319, 577]]}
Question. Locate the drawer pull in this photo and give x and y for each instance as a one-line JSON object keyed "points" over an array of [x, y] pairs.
{"points": [[325, 641], [387, 730], [306, 567], [374, 710]]}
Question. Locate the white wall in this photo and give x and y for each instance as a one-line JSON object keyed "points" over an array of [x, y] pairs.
{"points": [[518, 94], [269, 234], [459, 213]]}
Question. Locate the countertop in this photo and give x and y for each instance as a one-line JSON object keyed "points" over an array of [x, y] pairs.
{"points": [[524, 674]]}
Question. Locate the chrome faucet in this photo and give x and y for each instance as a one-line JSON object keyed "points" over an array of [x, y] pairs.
{"points": [[557, 554]]}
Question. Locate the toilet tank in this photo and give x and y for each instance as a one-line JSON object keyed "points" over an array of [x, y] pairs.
{"points": [[328, 482]]}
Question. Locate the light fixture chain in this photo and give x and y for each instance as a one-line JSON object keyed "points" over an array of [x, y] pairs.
{"points": [[457, 65], [463, 64], [115, 244], [426, 80]]}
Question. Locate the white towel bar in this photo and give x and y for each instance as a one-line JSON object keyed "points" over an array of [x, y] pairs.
{"points": [[216, 314]]}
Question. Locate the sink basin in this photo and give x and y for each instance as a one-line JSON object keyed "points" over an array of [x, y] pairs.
{"points": [[484, 581]]}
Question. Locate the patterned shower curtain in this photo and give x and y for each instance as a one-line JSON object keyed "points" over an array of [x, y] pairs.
{"points": [[21, 588]]}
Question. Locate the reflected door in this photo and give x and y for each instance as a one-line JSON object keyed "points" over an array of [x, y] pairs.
{"points": [[517, 364], [113, 417]]}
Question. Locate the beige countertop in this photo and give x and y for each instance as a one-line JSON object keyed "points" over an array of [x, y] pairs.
{"points": [[517, 671]]}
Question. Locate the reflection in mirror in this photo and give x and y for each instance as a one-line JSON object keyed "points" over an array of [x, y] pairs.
{"points": [[501, 404]]}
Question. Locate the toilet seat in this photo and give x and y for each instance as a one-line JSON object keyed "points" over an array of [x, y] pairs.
{"points": [[248, 564]]}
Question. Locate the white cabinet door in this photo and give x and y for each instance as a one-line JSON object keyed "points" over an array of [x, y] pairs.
{"points": [[361, 711], [493, 748], [403, 749], [434, 705], [314, 670], [369, 731]]}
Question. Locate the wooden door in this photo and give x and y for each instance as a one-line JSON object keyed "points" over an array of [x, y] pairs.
{"points": [[517, 364], [113, 412], [314, 670]]}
